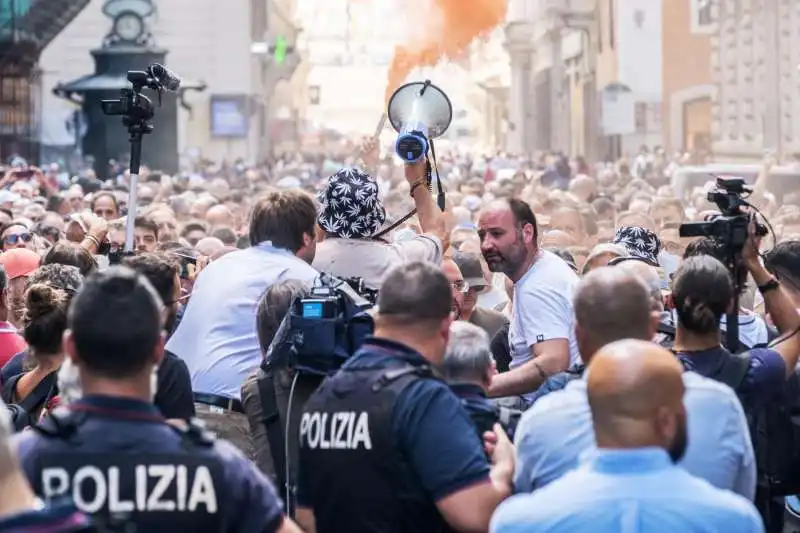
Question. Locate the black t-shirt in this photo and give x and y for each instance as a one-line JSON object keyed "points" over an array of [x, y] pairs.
{"points": [[174, 395]]}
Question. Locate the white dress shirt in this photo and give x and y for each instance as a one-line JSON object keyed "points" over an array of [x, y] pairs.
{"points": [[217, 335]]}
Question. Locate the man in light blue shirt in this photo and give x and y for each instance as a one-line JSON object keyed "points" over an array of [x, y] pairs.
{"points": [[630, 483], [610, 305], [217, 335]]}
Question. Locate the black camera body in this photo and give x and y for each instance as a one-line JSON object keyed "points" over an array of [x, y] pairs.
{"points": [[321, 331], [731, 228]]}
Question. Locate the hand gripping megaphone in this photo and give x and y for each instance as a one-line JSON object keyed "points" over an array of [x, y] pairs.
{"points": [[418, 111]]}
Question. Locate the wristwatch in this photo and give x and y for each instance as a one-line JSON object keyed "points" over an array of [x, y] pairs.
{"points": [[769, 286]]}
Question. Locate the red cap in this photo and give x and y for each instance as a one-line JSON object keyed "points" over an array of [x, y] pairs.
{"points": [[19, 262]]}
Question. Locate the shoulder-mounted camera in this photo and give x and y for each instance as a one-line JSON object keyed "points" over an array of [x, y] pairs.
{"points": [[322, 330]]}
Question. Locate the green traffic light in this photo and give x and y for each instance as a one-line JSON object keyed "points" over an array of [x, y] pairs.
{"points": [[280, 50]]}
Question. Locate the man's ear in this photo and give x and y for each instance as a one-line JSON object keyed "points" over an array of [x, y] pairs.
{"points": [[68, 345], [158, 351], [655, 320]]}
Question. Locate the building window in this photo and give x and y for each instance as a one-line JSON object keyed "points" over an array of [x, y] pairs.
{"points": [[703, 16]]}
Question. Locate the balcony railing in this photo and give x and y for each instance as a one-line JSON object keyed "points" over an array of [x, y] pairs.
{"points": [[36, 21]]}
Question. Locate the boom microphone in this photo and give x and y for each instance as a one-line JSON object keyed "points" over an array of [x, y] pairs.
{"points": [[168, 79]]}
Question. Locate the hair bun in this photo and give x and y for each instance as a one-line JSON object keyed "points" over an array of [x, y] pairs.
{"points": [[42, 299]]}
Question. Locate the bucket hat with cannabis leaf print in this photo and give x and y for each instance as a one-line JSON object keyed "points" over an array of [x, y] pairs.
{"points": [[350, 207], [641, 243]]}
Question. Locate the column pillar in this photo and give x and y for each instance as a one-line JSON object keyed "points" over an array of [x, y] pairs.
{"points": [[521, 99], [772, 78], [558, 70]]}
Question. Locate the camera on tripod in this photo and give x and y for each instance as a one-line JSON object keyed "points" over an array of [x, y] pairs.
{"points": [[731, 227], [132, 103], [136, 111]]}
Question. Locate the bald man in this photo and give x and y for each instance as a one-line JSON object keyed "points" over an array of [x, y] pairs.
{"points": [[557, 239], [220, 216], [611, 305], [635, 393], [571, 222]]}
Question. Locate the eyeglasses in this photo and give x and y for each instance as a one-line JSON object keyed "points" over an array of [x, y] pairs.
{"points": [[180, 299], [15, 238], [460, 285]]}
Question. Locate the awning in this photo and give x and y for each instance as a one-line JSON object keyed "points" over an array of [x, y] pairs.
{"points": [[108, 82]]}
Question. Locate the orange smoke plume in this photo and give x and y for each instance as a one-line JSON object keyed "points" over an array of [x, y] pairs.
{"points": [[460, 22]]}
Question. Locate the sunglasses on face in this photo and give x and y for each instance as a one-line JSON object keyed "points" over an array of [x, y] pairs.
{"points": [[50, 232], [18, 237], [460, 285]]}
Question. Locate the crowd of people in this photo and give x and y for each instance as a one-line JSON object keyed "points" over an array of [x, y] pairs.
{"points": [[545, 352]]}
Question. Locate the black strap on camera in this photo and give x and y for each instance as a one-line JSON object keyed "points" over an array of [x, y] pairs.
{"points": [[272, 423]]}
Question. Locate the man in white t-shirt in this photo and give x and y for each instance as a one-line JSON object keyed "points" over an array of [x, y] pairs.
{"points": [[542, 333]]}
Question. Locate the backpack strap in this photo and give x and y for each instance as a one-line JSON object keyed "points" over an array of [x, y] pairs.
{"points": [[390, 376], [666, 329], [39, 396], [734, 370]]}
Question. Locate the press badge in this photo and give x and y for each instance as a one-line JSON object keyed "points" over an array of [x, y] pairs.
{"points": [[217, 410]]}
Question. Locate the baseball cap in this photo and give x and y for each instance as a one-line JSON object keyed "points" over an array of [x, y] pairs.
{"points": [[470, 267], [19, 262]]}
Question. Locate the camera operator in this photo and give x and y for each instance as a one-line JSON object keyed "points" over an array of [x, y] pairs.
{"points": [[753, 331], [702, 292], [266, 407], [384, 444], [468, 368], [352, 214], [113, 453]]}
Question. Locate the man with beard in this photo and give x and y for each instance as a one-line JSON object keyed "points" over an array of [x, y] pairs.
{"points": [[174, 393], [612, 304], [635, 392], [541, 337]]}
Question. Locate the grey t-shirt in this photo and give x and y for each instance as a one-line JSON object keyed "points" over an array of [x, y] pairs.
{"points": [[372, 260]]}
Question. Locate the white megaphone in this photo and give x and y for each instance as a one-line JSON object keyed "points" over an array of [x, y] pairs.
{"points": [[418, 111]]}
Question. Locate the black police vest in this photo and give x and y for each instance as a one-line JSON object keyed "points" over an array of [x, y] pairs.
{"points": [[147, 489], [358, 480]]}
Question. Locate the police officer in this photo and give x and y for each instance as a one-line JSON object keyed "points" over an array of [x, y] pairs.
{"points": [[384, 444], [114, 454]]}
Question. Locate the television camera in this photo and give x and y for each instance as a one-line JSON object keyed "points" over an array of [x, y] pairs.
{"points": [[730, 229]]}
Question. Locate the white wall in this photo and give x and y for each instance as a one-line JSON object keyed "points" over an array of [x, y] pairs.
{"points": [[207, 40]]}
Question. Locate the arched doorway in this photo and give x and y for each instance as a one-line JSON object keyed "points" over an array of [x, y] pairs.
{"points": [[697, 128]]}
